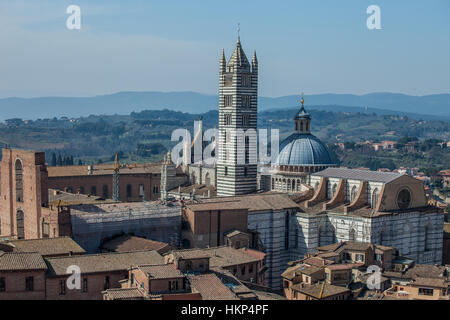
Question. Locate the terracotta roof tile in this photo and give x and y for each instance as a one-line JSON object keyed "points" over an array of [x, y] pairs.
{"points": [[12, 261], [48, 246], [210, 287], [162, 271], [105, 262], [127, 243]]}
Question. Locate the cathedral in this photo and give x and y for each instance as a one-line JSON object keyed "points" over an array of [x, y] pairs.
{"points": [[333, 204]]}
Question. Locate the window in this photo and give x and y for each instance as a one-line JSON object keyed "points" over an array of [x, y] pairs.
{"points": [[45, 229], [106, 283], [226, 170], [353, 194], [359, 257], [246, 80], [19, 181], [246, 101], [141, 191], [105, 192], [227, 119], [20, 225], [132, 278], [62, 287], [94, 190], [85, 285], [155, 190], [250, 268], [228, 101], [425, 292], [404, 199], [245, 119], [228, 80], [378, 257], [245, 171], [129, 191], [374, 201], [2, 284], [243, 270]]}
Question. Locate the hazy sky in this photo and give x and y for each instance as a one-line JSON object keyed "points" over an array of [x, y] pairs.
{"points": [[312, 46]]}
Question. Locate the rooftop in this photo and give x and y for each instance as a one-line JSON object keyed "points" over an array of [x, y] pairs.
{"points": [[221, 256], [103, 169], [125, 294], [58, 197], [14, 261], [251, 202], [128, 243], [48, 246], [211, 287], [105, 262], [320, 290], [162, 271], [355, 174]]}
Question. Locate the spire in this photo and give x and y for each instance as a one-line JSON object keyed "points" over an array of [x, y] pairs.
{"points": [[239, 33], [223, 62], [238, 59], [302, 119]]}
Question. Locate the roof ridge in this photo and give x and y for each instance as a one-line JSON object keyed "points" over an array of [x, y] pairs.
{"points": [[101, 254]]}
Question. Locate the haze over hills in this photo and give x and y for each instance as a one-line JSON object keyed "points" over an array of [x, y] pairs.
{"points": [[436, 106]]}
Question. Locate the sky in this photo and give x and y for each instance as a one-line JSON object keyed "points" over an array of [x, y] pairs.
{"points": [[311, 46]]}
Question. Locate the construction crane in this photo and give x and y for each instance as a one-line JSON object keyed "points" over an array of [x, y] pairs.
{"points": [[115, 182]]}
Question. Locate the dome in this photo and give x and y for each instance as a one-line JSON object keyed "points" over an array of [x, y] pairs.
{"points": [[303, 149]]}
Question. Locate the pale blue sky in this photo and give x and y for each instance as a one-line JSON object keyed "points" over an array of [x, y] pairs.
{"points": [[311, 46]]}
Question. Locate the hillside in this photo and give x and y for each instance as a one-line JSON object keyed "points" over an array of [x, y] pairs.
{"points": [[429, 107], [143, 136]]}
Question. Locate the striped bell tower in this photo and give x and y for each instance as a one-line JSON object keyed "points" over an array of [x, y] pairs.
{"points": [[238, 94]]}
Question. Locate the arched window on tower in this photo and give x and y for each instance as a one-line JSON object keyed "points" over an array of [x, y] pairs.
{"points": [[19, 180], [301, 126]]}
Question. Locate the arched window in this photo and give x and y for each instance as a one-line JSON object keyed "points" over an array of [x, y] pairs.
{"points": [[333, 190], [301, 126], [404, 199], [19, 180], [20, 223], [129, 191], [82, 190], [353, 194], [94, 190], [293, 185], [105, 192], [316, 186], [374, 200]]}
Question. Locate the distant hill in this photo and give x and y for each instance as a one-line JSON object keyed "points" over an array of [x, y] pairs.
{"points": [[433, 106]]}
